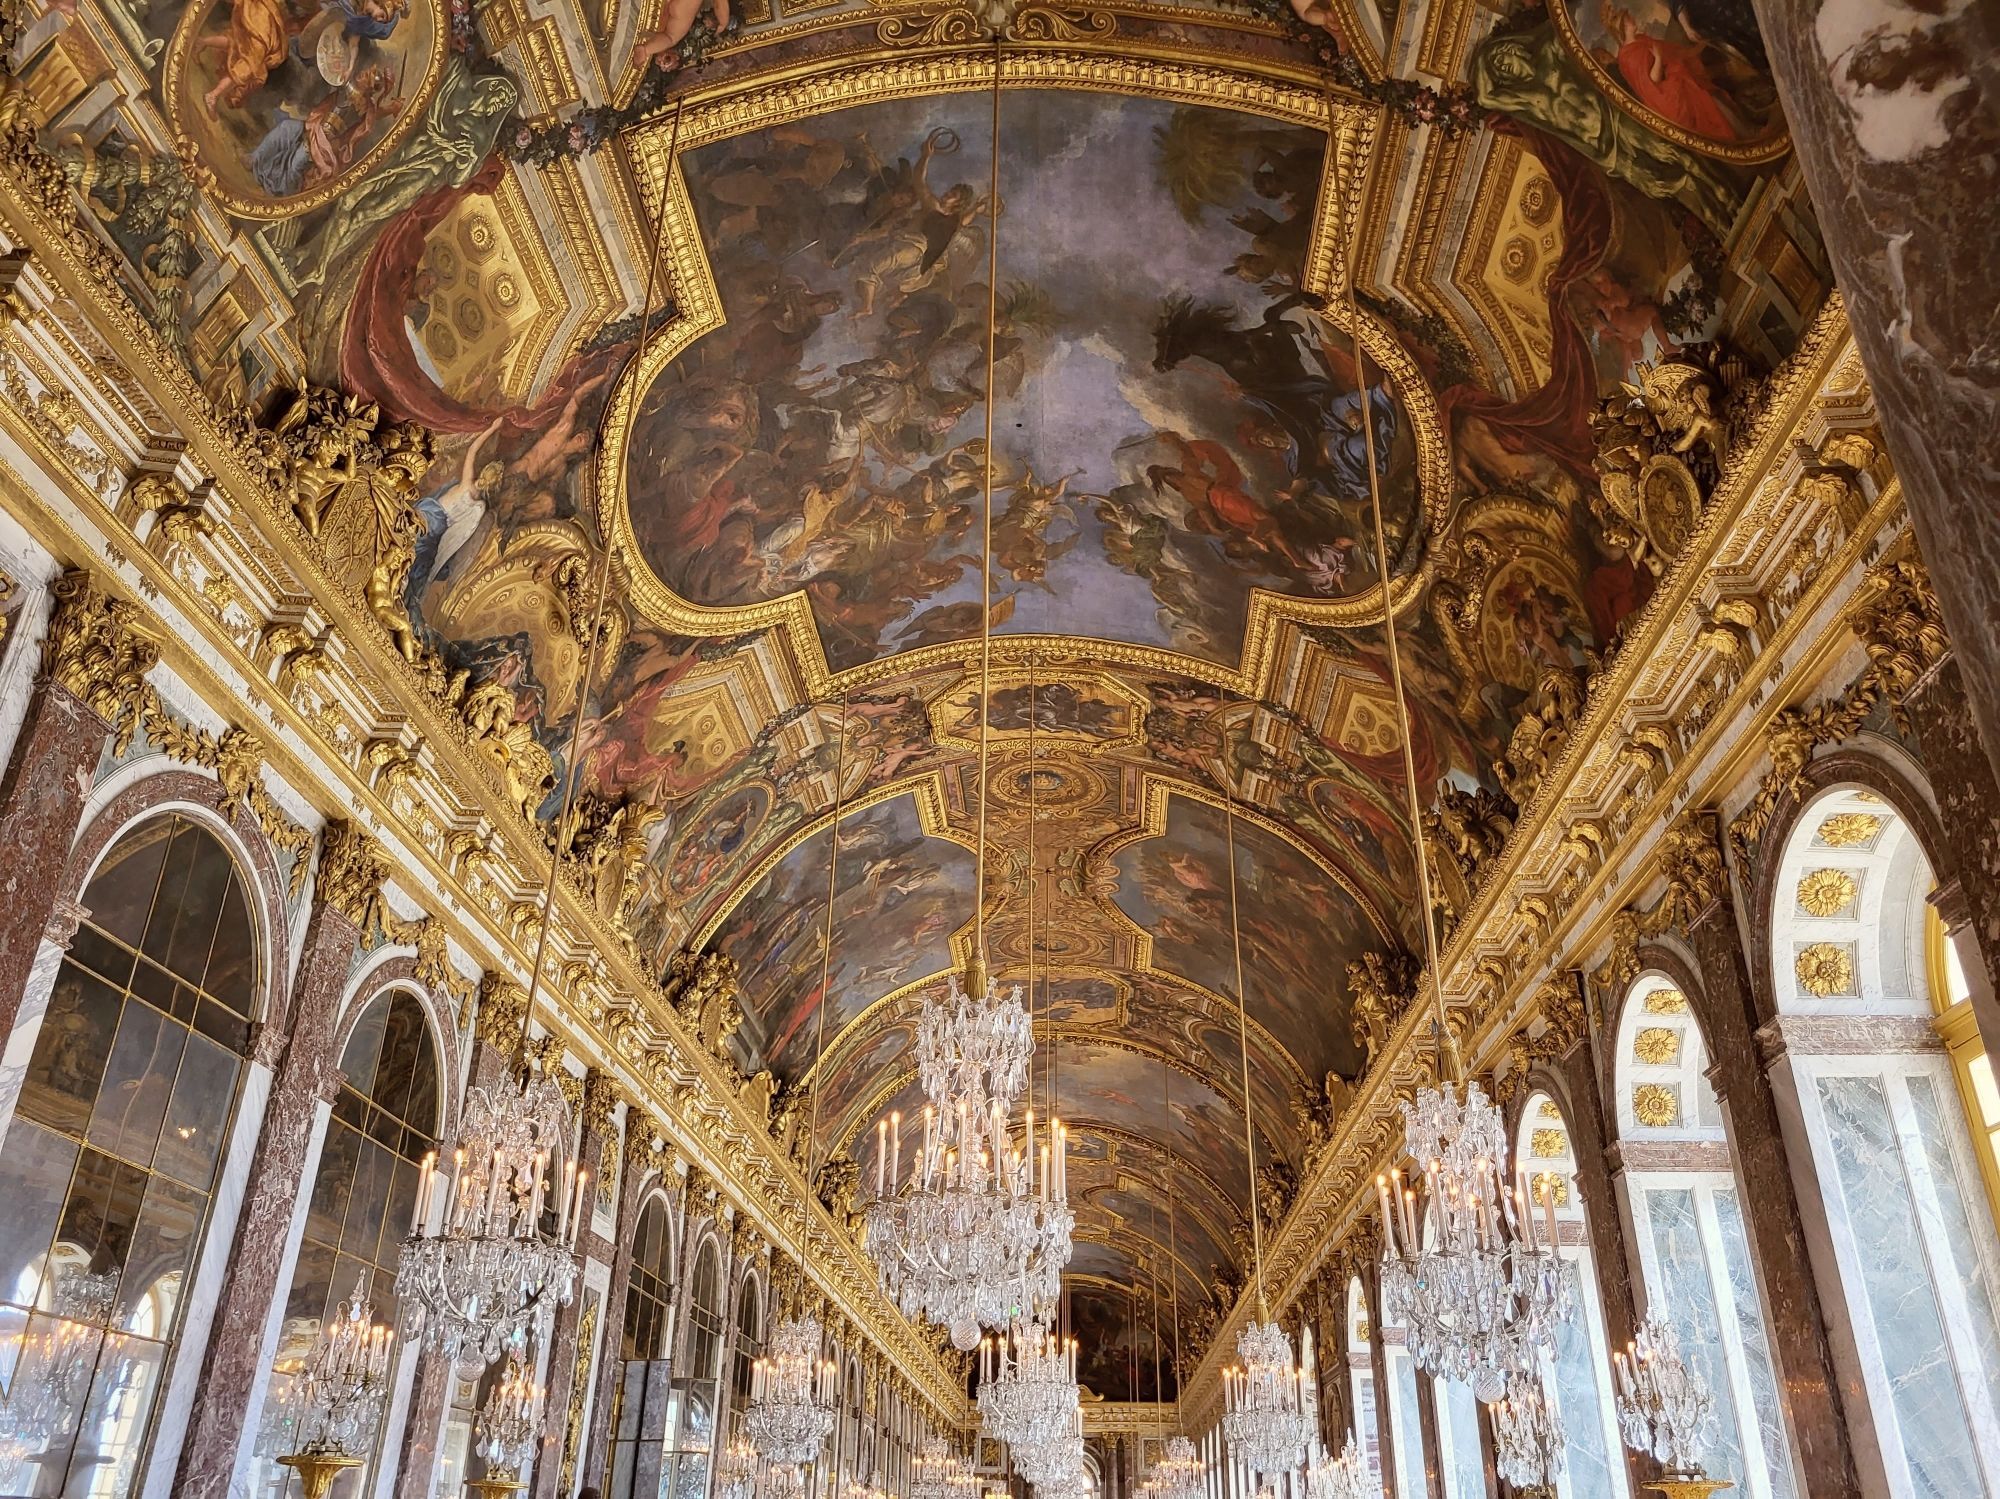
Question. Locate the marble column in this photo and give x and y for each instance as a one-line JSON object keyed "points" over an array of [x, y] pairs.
{"points": [[1378, 1362], [349, 876], [1895, 123], [1968, 797], [570, 1355], [1808, 1385], [1328, 1302], [94, 661]]}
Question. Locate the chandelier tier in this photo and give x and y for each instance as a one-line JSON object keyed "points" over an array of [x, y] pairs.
{"points": [[791, 1395], [1181, 1472], [337, 1400], [1478, 1293], [1528, 1437], [1027, 1387], [1342, 1477], [979, 1232], [1664, 1408], [1268, 1402], [940, 1473], [736, 1470], [483, 1269]]}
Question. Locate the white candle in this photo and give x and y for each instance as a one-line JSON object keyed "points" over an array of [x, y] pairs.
{"points": [[881, 1155], [1549, 1203]]}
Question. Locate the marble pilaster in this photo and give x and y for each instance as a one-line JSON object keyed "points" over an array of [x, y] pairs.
{"points": [[1427, 1429], [1895, 124], [1793, 1309], [41, 805], [304, 1073], [631, 1194], [1968, 798]]}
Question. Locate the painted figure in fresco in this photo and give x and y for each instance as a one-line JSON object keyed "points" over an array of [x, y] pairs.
{"points": [[1670, 78], [907, 250], [677, 18], [458, 132], [1531, 78], [255, 42]]}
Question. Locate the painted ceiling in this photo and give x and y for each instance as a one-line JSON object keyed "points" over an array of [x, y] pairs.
{"points": [[456, 212]]}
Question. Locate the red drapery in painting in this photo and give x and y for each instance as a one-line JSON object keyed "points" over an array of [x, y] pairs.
{"points": [[376, 360]]}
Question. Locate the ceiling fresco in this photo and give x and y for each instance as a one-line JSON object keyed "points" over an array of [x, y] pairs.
{"points": [[776, 465]]}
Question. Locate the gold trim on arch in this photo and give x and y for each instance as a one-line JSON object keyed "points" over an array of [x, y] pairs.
{"points": [[761, 104]]}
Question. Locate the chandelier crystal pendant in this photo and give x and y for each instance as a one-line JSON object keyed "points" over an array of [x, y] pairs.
{"points": [[485, 1274], [791, 1395], [1528, 1437], [1664, 1408], [939, 1473], [1268, 1402], [1342, 1477], [1027, 1387], [1477, 1290]]}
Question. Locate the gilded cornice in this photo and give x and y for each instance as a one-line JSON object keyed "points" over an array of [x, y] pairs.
{"points": [[95, 380], [1768, 533]]}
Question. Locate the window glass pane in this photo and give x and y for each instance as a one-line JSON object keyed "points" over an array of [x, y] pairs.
{"points": [[232, 961], [158, 940], [98, 1220], [1955, 1220], [1895, 1282], [210, 872], [1687, 1297], [1458, 1427], [162, 1252], [70, 1051], [191, 1143], [1756, 1351], [120, 897], [1579, 1399], [35, 1167], [1403, 1420], [137, 1085]]}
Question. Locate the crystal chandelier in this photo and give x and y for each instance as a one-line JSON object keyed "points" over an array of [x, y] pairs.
{"points": [[939, 1472], [1267, 1419], [1528, 1437], [489, 1275], [971, 1045], [791, 1395], [978, 1233], [736, 1470], [507, 1428], [784, 1481], [1343, 1477], [1181, 1471], [337, 1400], [1027, 1387], [51, 1368], [1479, 1297], [1053, 1465], [1663, 1406]]}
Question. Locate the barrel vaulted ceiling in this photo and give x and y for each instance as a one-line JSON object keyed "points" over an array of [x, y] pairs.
{"points": [[451, 210]]}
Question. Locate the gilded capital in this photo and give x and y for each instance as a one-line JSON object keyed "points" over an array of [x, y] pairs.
{"points": [[351, 872], [503, 1010], [95, 647], [1896, 617], [601, 1097]]}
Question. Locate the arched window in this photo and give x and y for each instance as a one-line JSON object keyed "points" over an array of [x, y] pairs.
{"points": [[641, 1405], [692, 1398], [1687, 1219], [1361, 1377], [110, 1160], [1580, 1372], [749, 1340], [364, 1194], [1898, 1172]]}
